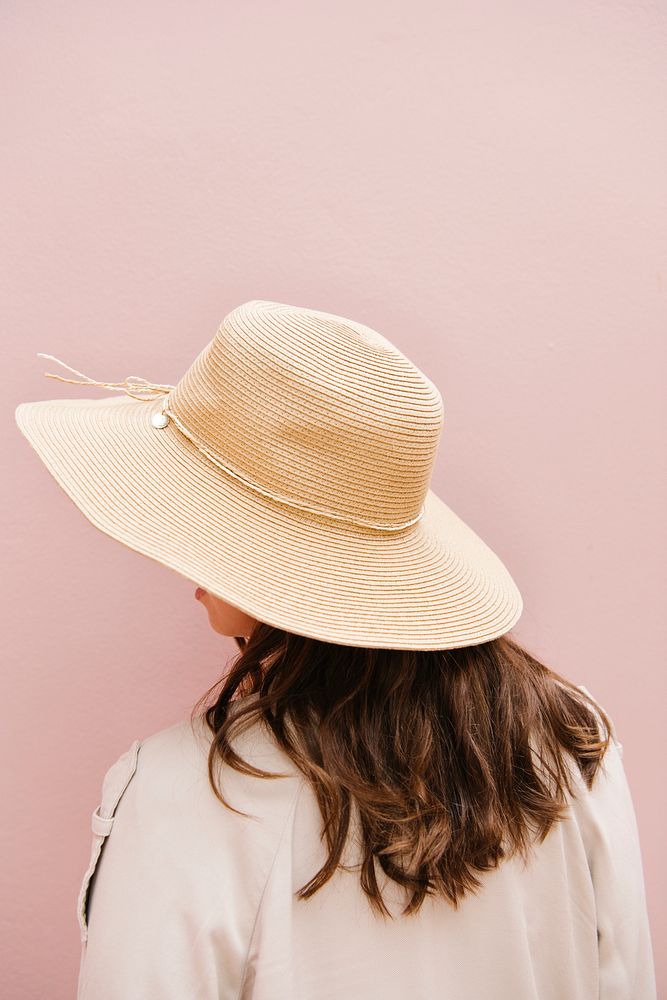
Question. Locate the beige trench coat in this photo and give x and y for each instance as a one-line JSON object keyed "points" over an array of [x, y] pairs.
{"points": [[186, 900]]}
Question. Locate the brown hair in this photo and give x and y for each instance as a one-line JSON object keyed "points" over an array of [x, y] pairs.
{"points": [[454, 758]]}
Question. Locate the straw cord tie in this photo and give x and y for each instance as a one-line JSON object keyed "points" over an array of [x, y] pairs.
{"points": [[131, 382]]}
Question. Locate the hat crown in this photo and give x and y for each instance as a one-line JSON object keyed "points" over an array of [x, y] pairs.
{"points": [[315, 408]]}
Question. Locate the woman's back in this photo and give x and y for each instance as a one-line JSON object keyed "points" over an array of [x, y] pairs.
{"points": [[192, 900]]}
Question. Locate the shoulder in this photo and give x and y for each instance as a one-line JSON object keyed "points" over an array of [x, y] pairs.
{"points": [[607, 822], [171, 777], [595, 706], [159, 813], [171, 863], [604, 812], [159, 792], [614, 748]]}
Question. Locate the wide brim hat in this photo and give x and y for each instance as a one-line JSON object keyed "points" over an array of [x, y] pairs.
{"points": [[287, 472]]}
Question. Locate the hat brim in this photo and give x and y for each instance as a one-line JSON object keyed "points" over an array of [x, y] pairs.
{"points": [[433, 585]]}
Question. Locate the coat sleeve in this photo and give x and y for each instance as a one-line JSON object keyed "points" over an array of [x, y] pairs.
{"points": [[152, 924], [609, 825]]}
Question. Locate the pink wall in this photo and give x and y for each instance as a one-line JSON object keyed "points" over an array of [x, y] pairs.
{"points": [[485, 184]]}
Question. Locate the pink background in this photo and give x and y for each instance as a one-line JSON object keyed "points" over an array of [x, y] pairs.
{"points": [[484, 184]]}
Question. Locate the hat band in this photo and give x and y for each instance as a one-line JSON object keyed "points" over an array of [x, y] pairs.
{"points": [[147, 391], [276, 496]]}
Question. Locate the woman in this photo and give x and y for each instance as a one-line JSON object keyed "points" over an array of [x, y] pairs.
{"points": [[385, 796]]}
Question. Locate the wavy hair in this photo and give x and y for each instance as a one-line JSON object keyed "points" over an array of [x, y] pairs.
{"points": [[453, 758]]}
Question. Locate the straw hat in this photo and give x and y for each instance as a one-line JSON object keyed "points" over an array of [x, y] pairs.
{"points": [[288, 473]]}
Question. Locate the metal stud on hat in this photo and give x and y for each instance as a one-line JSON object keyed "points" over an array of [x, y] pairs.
{"points": [[290, 477], [160, 419]]}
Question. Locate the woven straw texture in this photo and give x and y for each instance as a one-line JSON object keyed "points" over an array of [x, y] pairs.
{"points": [[292, 480]]}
